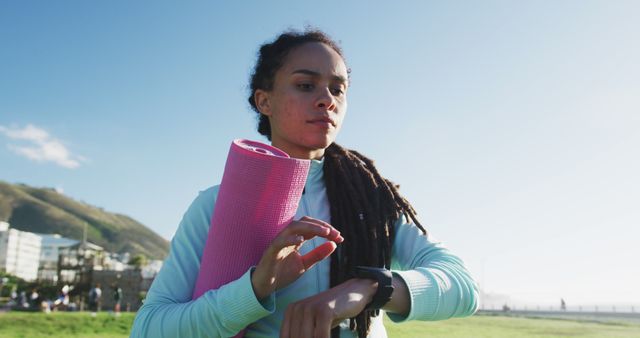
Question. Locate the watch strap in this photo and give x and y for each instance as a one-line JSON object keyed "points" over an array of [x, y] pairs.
{"points": [[384, 278]]}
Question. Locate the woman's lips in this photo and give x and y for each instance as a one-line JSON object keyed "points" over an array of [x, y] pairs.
{"points": [[323, 122]]}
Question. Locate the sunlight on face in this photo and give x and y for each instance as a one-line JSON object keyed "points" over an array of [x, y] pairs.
{"points": [[308, 101]]}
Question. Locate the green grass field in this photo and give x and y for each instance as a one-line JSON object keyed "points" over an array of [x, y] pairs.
{"points": [[36, 325]]}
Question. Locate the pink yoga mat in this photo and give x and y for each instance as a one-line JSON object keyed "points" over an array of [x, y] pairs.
{"points": [[259, 195]]}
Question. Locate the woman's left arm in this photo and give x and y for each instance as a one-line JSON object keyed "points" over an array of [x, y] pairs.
{"points": [[436, 283], [430, 283]]}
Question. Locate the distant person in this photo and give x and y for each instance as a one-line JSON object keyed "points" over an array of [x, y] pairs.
{"points": [[563, 305], [94, 299], [62, 302], [13, 300], [22, 300], [299, 94], [117, 298], [34, 300]]}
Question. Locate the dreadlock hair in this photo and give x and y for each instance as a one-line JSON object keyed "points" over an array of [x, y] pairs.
{"points": [[364, 206]]}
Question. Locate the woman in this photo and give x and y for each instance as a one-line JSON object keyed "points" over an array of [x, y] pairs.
{"points": [[348, 212]]}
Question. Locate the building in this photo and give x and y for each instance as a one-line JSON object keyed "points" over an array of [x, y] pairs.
{"points": [[51, 245], [19, 252], [115, 262], [150, 270], [85, 264], [132, 283], [76, 263]]}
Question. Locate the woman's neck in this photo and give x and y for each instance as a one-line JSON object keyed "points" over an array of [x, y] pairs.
{"points": [[299, 152]]}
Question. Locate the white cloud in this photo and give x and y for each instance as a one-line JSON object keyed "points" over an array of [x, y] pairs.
{"points": [[40, 146]]}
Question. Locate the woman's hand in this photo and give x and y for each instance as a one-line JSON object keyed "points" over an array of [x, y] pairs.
{"points": [[317, 315], [281, 263]]}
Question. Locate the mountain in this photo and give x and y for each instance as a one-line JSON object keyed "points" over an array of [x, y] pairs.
{"points": [[44, 210]]}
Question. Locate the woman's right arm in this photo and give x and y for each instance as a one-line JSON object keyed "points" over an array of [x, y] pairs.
{"points": [[168, 310]]}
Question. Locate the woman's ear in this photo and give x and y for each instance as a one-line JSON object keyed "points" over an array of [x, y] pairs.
{"points": [[261, 99]]}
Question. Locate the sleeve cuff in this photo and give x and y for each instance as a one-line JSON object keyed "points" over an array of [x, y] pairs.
{"points": [[269, 303], [420, 293], [240, 303]]}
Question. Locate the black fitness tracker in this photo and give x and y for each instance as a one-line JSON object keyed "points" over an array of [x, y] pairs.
{"points": [[385, 285]]}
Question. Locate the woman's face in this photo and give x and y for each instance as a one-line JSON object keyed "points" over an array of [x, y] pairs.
{"points": [[308, 101]]}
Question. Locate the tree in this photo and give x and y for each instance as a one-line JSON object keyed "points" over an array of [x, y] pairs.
{"points": [[9, 282], [138, 261]]}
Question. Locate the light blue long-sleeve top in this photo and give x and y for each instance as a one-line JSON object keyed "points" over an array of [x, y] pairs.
{"points": [[439, 285]]}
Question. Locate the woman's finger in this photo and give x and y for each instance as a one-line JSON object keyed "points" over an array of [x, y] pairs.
{"points": [[285, 328], [308, 230], [296, 234], [292, 240], [321, 252], [297, 321], [333, 235], [307, 325], [323, 324]]}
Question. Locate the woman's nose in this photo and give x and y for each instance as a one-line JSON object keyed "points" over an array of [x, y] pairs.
{"points": [[325, 100]]}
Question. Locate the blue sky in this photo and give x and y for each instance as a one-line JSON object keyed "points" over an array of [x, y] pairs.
{"points": [[512, 127]]}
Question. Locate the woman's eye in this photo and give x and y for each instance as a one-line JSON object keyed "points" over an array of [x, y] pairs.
{"points": [[337, 91], [305, 86]]}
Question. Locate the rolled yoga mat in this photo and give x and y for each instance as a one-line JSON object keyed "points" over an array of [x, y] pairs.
{"points": [[259, 195]]}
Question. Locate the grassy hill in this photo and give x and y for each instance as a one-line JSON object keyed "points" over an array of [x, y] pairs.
{"points": [[44, 210]]}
